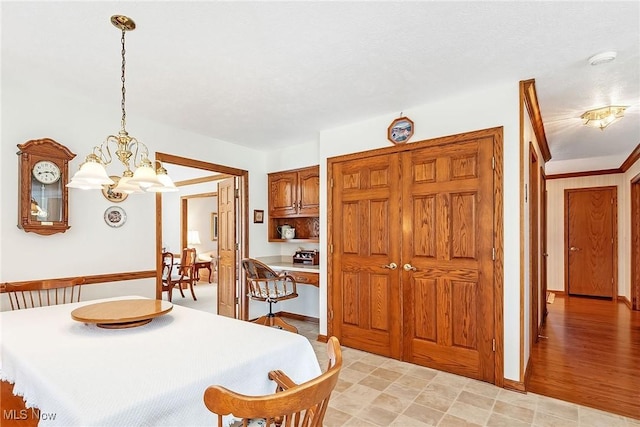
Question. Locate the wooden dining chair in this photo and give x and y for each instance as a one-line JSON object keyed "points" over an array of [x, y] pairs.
{"points": [[264, 284], [184, 273], [40, 293], [292, 405]]}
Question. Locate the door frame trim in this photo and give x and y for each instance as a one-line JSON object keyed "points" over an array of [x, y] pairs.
{"points": [[243, 203], [635, 242], [497, 136]]}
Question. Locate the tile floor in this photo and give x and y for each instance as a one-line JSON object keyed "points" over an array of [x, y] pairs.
{"points": [[378, 391]]}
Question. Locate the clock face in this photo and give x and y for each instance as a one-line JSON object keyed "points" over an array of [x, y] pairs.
{"points": [[47, 172]]}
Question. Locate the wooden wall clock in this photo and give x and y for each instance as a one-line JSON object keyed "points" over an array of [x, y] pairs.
{"points": [[43, 175]]}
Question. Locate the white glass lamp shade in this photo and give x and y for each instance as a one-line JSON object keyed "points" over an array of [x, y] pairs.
{"points": [[167, 185], [193, 237], [84, 185], [124, 186], [91, 173], [145, 177]]}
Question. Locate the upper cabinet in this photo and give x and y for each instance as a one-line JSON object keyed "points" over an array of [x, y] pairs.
{"points": [[294, 193], [294, 200]]}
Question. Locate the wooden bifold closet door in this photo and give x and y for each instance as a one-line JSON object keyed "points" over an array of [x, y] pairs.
{"points": [[412, 266]]}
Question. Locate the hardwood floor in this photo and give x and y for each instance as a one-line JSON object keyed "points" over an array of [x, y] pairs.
{"points": [[590, 356]]}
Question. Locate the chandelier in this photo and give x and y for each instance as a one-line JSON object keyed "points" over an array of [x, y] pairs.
{"points": [[148, 176], [603, 117]]}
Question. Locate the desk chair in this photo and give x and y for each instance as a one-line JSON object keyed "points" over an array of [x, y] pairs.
{"points": [[40, 293], [292, 405], [266, 285], [184, 273]]}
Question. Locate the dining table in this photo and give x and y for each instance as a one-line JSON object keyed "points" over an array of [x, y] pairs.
{"points": [[153, 374]]}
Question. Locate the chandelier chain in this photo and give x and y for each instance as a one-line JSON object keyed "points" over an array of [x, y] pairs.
{"points": [[122, 78]]}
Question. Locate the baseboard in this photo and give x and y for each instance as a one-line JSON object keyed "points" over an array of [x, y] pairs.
{"points": [[558, 293], [625, 300], [514, 386], [297, 317]]}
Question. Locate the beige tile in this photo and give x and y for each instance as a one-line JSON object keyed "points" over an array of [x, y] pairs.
{"points": [[373, 359], [342, 385], [402, 392], [482, 388], [335, 418], [469, 413], [391, 403], [387, 374], [377, 416], [397, 366], [594, 418], [453, 421], [523, 400], [558, 408], [476, 400], [426, 415], [422, 372], [375, 382], [362, 367], [405, 421], [358, 422], [365, 394], [451, 379], [437, 396], [517, 412], [413, 382], [352, 375], [541, 419], [348, 404], [499, 420]]}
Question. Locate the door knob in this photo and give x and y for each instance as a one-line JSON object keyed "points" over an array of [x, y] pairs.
{"points": [[409, 267], [391, 266], [574, 249]]}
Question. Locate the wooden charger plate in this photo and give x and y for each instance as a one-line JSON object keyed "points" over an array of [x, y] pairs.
{"points": [[122, 313]]}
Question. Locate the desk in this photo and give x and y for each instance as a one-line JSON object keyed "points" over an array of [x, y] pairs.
{"points": [[152, 375]]}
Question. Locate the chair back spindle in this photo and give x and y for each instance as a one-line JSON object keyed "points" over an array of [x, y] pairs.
{"points": [[40, 293]]}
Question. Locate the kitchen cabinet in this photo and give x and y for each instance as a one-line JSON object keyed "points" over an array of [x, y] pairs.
{"points": [[294, 200]]}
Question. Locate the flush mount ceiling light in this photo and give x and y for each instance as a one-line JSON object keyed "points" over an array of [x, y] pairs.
{"points": [[603, 117], [146, 178], [602, 58]]}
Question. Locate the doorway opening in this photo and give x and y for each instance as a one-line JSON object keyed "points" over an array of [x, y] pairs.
{"points": [[233, 284]]}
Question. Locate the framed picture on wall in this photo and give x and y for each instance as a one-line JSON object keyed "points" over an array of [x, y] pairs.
{"points": [[258, 216], [214, 225]]}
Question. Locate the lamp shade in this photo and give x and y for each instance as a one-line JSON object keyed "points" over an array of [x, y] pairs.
{"points": [[167, 185], [193, 237], [91, 173], [145, 177], [124, 186]]}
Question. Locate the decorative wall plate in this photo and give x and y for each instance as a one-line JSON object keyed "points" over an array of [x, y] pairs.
{"points": [[400, 130], [110, 195], [115, 216]]}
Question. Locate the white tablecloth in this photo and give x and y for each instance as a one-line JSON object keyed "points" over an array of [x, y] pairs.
{"points": [[151, 375]]}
